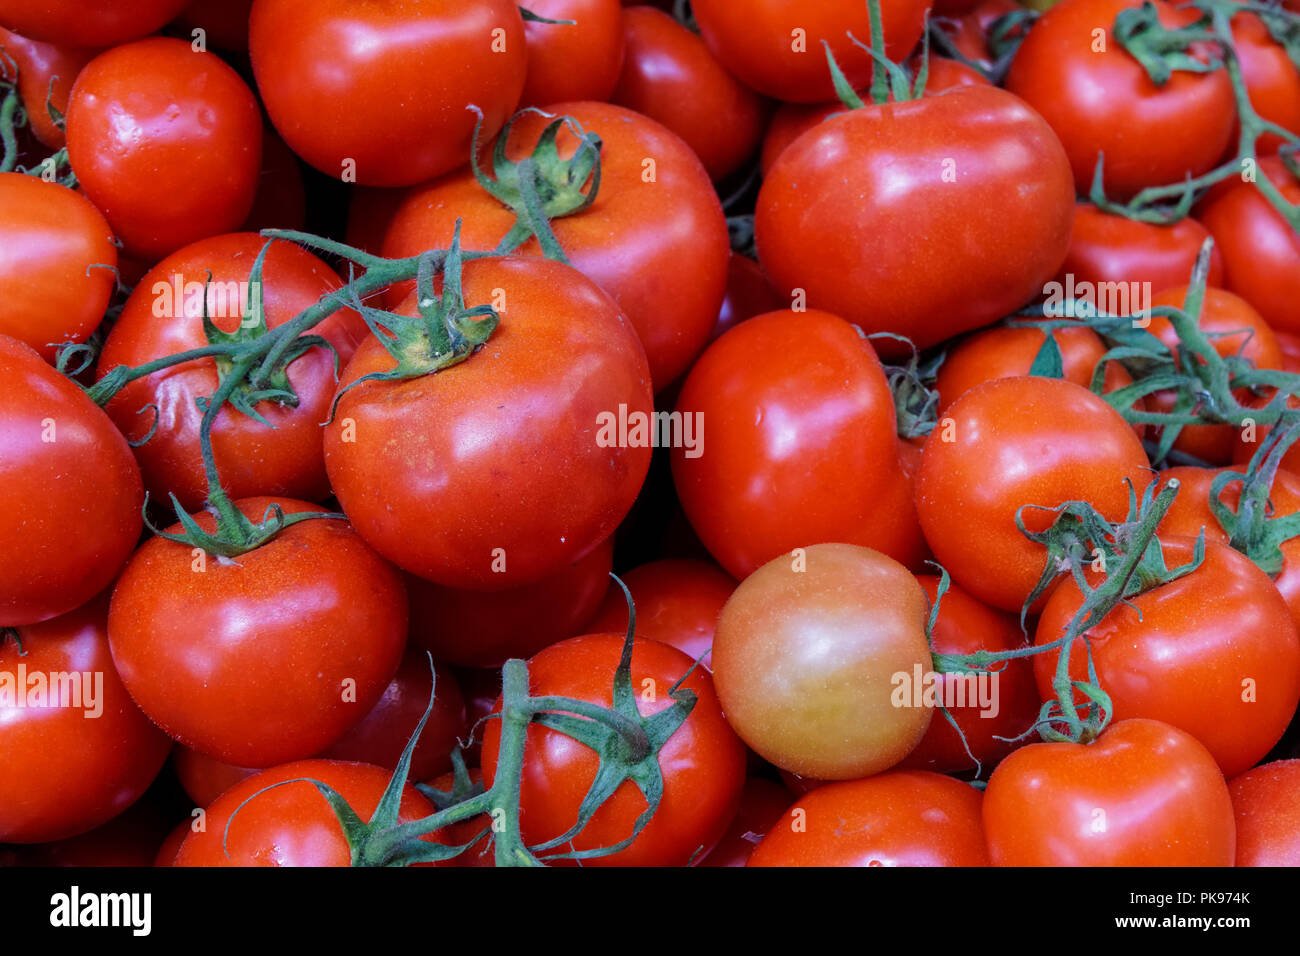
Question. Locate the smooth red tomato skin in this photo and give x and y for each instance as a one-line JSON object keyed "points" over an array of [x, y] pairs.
{"points": [[67, 772], [49, 238], [703, 762], [38, 66], [762, 806], [796, 410], [292, 825], [869, 211], [1266, 801], [670, 76], [1095, 100], [1142, 794], [903, 818], [573, 62], [269, 659], [1010, 443], [757, 41], [518, 421], [204, 778], [1108, 248], [106, 23], [252, 459], [1272, 79], [70, 492], [364, 90], [167, 142], [658, 248], [474, 629]]}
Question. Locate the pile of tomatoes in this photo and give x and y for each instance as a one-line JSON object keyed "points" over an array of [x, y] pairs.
{"points": [[928, 371]]}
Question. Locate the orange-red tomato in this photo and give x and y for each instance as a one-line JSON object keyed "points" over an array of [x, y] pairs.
{"points": [[1266, 801]]}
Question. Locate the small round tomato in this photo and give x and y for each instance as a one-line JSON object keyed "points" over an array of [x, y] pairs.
{"points": [[1142, 794], [807, 657], [104, 23], [70, 492], [1105, 247], [45, 76], [1019, 442], [366, 92], [905, 818], [703, 762], [204, 778], [167, 142], [762, 806], [278, 818], [578, 61], [1266, 801], [270, 657], [76, 750], [56, 263]]}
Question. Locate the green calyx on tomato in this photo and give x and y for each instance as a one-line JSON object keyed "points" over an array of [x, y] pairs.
{"points": [[916, 401], [1252, 528], [889, 81], [1161, 50]]}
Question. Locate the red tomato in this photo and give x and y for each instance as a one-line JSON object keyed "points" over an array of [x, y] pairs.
{"points": [[50, 237], [670, 76], [906, 818], [703, 762], [677, 603], [81, 752], [1110, 248], [292, 825], [45, 76], [167, 142], [267, 658], [924, 219], [762, 806], [160, 320], [1010, 443], [204, 778], [562, 360], [225, 22], [1289, 343], [103, 23], [364, 93], [1272, 79], [473, 629], [1266, 801], [70, 492], [580, 61], [748, 294], [1142, 794], [658, 248], [798, 411], [1095, 100], [775, 46]]}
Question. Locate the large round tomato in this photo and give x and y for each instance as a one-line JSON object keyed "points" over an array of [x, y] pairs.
{"points": [[1143, 794], [76, 750], [1096, 99], [1214, 653], [1267, 804], [378, 93], [269, 657], [655, 238], [1105, 247], [703, 762], [70, 492], [906, 818], [45, 76], [775, 46], [50, 238], [799, 444], [808, 658], [1010, 443], [577, 61], [165, 316], [103, 23], [924, 218], [167, 142]]}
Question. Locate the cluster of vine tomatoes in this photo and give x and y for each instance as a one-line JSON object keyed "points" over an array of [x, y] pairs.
{"points": [[338, 340]]}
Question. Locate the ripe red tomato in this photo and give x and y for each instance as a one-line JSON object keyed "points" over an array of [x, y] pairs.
{"points": [[807, 657], [905, 818], [1272, 79], [1143, 794], [925, 218], [797, 411], [1266, 801], [1010, 443], [1108, 248], [50, 237], [70, 492], [163, 316], [1095, 99], [670, 76], [292, 825], [402, 455], [762, 806], [167, 142], [104, 23], [775, 46], [658, 247], [267, 658], [204, 778], [1214, 653], [703, 762], [71, 762], [364, 92], [748, 294], [45, 75], [1289, 342], [578, 61]]}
